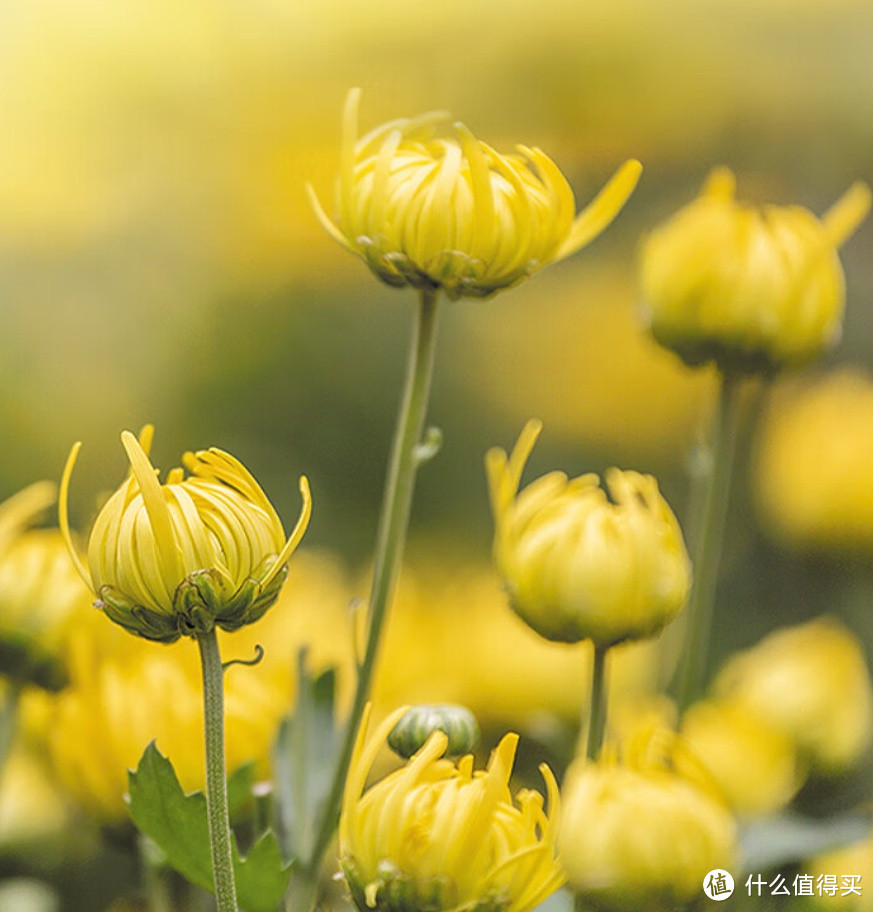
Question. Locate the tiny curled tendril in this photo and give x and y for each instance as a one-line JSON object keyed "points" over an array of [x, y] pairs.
{"points": [[259, 654]]}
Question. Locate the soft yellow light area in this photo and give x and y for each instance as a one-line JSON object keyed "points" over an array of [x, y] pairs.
{"points": [[31, 807], [636, 833], [852, 865], [580, 564], [172, 559], [754, 764], [814, 471], [451, 212], [810, 682], [451, 640], [441, 833], [573, 353], [745, 286]]}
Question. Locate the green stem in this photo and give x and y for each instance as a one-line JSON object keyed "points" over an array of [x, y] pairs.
{"points": [[597, 716], [390, 540], [706, 546], [8, 721], [216, 776]]}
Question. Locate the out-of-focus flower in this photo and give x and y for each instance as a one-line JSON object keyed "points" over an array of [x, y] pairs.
{"points": [[39, 589], [440, 836], [815, 465], [749, 288], [810, 682], [850, 870], [451, 639], [181, 558], [451, 212], [577, 565], [754, 764], [31, 807], [642, 833], [99, 726]]}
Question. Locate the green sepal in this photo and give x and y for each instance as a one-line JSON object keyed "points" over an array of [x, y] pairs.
{"points": [[136, 619], [178, 824]]}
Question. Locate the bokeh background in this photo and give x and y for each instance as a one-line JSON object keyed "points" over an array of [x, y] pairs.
{"points": [[159, 261]]}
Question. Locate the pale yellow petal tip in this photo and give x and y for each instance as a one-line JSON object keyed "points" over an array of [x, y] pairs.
{"points": [[720, 184], [847, 213]]}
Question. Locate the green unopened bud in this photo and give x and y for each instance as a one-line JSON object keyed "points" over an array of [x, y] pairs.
{"points": [[456, 722]]}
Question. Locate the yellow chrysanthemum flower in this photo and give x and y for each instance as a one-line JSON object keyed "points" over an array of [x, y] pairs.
{"points": [[812, 683], [814, 474], [754, 764], [180, 558], [577, 565], [747, 287], [39, 589], [440, 836], [643, 832], [451, 212]]}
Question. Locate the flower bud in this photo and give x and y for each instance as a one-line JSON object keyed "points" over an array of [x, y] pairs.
{"points": [[577, 565], [752, 289], [180, 558], [450, 212], [457, 723], [438, 836], [810, 682], [639, 834]]}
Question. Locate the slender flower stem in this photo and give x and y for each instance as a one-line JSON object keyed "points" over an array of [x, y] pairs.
{"points": [[8, 721], [597, 716], [390, 540], [216, 776], [706, 545]]}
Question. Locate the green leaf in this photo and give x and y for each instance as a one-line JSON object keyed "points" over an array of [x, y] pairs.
{"points": [[178, 824], [790, 838], [305, 757]]}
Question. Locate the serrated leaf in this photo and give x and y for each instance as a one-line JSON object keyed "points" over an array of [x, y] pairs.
{"points": [[790, 838], [178, 824], [305, 757]]}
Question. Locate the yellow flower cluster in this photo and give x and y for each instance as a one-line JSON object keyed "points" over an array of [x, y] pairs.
{"points": [[578, 565], [451, 212], [441, 836]]}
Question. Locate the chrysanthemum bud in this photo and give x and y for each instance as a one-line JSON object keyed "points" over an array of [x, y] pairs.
{"points": [[457, 723], [450, 212], [439, 837], [577, 565], [810, 682], [180, 558], [640, 834], [752, 289]]}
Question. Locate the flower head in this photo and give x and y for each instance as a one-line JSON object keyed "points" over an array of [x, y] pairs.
{"points": [[442, 837], [643, 832], [450, 212], [810, 682], [578, 565], [747, 287], [196, 552]]}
